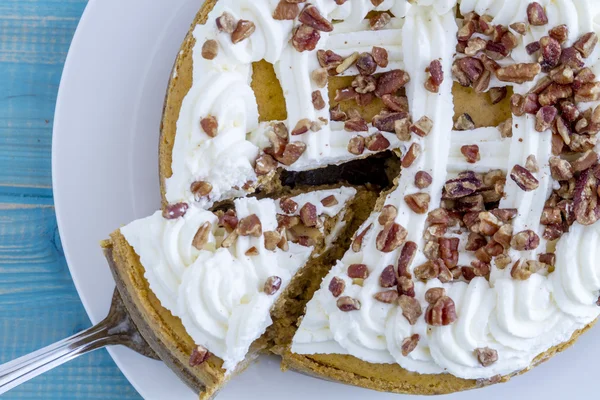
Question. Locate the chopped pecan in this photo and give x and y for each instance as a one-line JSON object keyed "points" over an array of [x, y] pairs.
{"points": [[317, 100], [243, 31], [387, 296], [547, 258], [485, 25], [585, 161], [201, 189], [441, 313], [560, 33], [286, 11], [411, 155], [249, 226], [308, 215], [288, 205], [358, 271], [434, 294], [423, 179], [429, 270], [572, 58], [466, 31], [475, 45], [272, 239], [525, 240], [518, 73], [391, 81], [226, 23], [471, 67], [377, 142], [486, 356], [305, 38], [366, 64], [563, 75], [554, 93], [387, 121], [431, 250], [201, 236], [523, 178], [380, 56], [337, 286], [328, 59], [409, 344], [545, 117], [475, 241], [461, 187], [551, 216], [504, 235], [356, 145], [470, 203], [395, 103], [536, 14], [210, 49], [550, 51], [588, 92], [199, 356], [388, 214], [311, 16], [406, 257], [505, 128], [174, 211], [464, 123], [449, 251], [387, 279], [210, 125], [336, 114], [471, 153], [532, 47], [531, 164], [496, 51], [379, 21], [586, 44], [346, 304], [357, 241], [364, 84], [272, 285], [519, 27], [228, 221], [391, 237], [265, 164], [523, 270], [585, 203], [411, 308], [329, 201], [422, 127], [418, 202]]}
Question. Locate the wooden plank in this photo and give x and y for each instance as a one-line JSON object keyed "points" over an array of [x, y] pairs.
{"points": [[38, 301]]}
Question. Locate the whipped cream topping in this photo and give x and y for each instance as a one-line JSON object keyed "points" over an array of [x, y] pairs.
{"points": [[218, 292], [518, 319]]}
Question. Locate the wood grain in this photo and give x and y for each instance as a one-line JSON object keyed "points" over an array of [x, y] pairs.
{"points": [[38, 302]]}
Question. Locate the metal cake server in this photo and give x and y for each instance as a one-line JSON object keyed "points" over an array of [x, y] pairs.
{"points": [[116, 329]]}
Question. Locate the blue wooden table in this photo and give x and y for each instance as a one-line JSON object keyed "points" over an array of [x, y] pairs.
{"points": [[38, 301]]}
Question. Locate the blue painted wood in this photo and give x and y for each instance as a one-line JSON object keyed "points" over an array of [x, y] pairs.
{"points": [[38, 302]]}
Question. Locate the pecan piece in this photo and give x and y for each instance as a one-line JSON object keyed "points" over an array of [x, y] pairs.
{"points": [[486, 356], [411, 308], [387, 279], [423, 179], [272, 285], [523, 178], [441, 313], [422, 127], [418, 202], [377, 142], [391, 81], [199, 356], [391, 237], [411, 155], [311, 16], [406, 257], [545, 117], [226, 23], [379, 21], [388, 214], [409, 344], [243, 31], [387, 296], [249, 226], [201, 236], [174, 211], [308, 215], [356, 145], [525, 240], [357, 241], [497, 94], [337, 286], [365, 64], [585, 203], [358, 271], [380, 56], [293, 151], [536, 14], [586, 44], [518, 73], [305, 38], [550, 51], [471, 153], [523, 270], [346, 304], [429, 270], [286, 11]]}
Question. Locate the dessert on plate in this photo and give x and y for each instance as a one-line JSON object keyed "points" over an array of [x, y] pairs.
{"points": [[399, 195]]}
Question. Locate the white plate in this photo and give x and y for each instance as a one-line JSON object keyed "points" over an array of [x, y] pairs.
{"points": [[105, 174]]}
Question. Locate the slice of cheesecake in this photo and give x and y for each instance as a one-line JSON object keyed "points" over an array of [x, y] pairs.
{"points": [[203, 285]]}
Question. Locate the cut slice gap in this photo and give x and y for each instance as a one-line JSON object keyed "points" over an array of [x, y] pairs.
{"points": [[480, 107], [379, 170], [268, 92]]}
